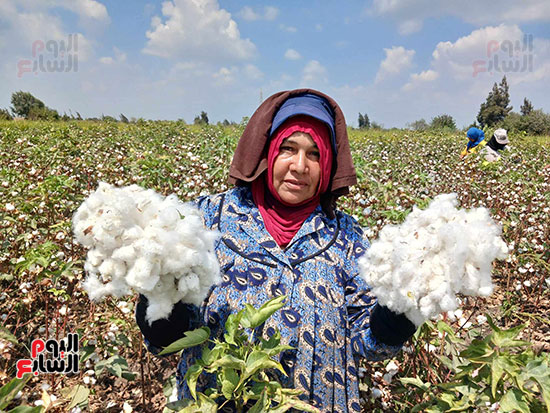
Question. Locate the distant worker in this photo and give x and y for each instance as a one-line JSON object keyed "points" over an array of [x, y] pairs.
{"points": [[475, 138], [496, 144]]}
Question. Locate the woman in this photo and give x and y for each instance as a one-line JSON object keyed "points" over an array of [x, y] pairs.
{"points": [[475, 138], [496, 144], [281, 234]]}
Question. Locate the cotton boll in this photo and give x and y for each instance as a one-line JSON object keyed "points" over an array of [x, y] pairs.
{"points": [[95, 288], [125, 253], [107, 267], [133, 233], [141, 240], [418, 267]]}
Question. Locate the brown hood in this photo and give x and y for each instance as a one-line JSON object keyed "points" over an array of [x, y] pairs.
{"points": [[250, 158]]}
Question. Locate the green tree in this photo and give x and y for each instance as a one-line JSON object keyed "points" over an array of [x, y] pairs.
{"points": [[419, 125], [5, 115], [375, 125], [363, 121], [23, 102], [201, 119], [496, 106], [526, 108], [537, 123], [42, 113], [108, 118], [443, 122]]}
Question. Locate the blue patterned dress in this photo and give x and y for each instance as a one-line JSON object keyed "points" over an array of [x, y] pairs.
{"points": [[327, 313]]}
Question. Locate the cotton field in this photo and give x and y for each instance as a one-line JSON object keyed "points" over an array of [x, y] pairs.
{"points": [[47, 170]]}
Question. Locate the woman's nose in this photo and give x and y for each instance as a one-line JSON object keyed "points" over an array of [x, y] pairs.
{"points": [[299, 164]]}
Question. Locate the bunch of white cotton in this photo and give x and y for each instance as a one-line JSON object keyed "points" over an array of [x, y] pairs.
{"points": [[141, 240], [418, 267]]}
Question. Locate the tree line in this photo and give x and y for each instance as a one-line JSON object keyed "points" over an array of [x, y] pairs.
{"points": [[494, 112], [27, 106]]}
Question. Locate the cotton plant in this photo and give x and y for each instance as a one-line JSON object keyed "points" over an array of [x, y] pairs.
{"points": [[141, 241], [418, 267]]}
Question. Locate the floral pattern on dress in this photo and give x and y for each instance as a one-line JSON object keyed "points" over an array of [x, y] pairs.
{"points": [[326, 316]]}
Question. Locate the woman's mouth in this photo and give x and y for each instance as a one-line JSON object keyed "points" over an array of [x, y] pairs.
{"points": [[294, 184]]}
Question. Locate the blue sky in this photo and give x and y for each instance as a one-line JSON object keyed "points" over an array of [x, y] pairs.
{"points": [[396, 60]]}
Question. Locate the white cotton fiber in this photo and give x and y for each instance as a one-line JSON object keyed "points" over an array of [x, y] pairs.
{"points": [[418, 267], [142, 241]]}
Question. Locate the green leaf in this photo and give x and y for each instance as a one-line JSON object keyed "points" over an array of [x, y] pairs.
{"points": [[514, 400], [116, 365], [78, 395], [497, 370], [506, 338], [191, 376], [276, 350], [253, 318], [415, 382], [210, 355], [9, 390], [206, 404], [273, 341], [259, 359], [228, 361], [230, 380], [261, 405], [232, 327], [478, 350], [128, 375], [295, 404], [169, 386], [178, 405], [539, 371], [191, 339], [5, 334], [86, 352]]}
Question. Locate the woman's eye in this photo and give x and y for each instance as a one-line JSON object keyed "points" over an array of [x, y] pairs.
{"points": [[285, 149], [315, 155]]}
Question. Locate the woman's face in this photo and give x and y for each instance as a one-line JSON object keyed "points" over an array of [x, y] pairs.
{"points": [[296, 171]]}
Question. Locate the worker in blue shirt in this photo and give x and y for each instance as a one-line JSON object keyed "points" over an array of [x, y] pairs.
{"points": [[475, 139]]}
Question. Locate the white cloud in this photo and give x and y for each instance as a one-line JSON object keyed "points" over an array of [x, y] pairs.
{"points": [[89, 10], [397, 59], [314, 73], [462, 72], [197, 30], [252, 72], [410, 14], [21, 27], [292, 54], [86, 8], [288, 29], [419, 78], [247, 13], [225, 75], [269, 13], [410, 26], [228, 76], [120, 57]]}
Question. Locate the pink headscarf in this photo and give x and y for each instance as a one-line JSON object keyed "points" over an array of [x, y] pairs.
{"points": [[283, 220]]}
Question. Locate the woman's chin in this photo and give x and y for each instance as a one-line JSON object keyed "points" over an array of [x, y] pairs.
{"points": [[291, 197]]}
